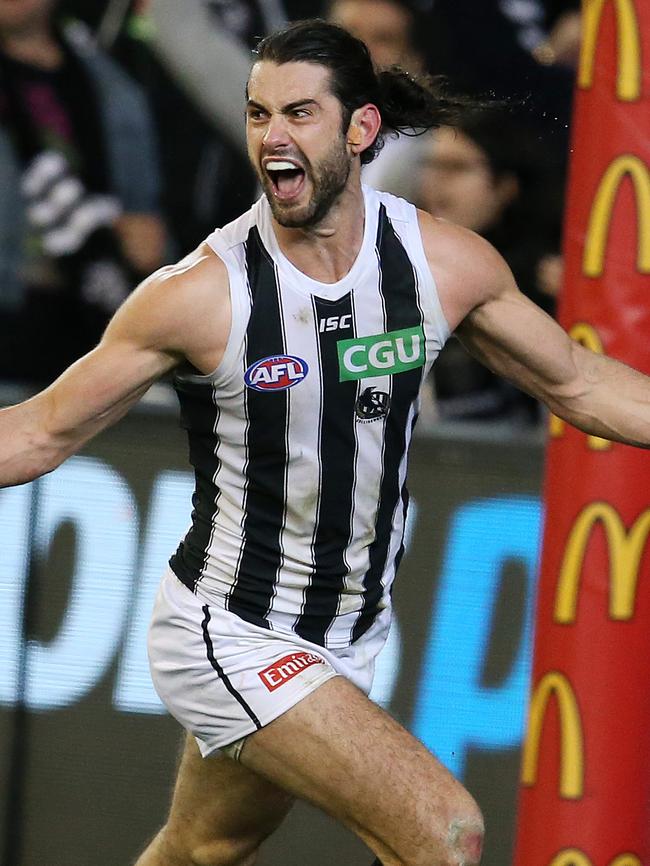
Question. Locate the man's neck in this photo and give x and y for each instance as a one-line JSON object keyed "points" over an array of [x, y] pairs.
{"points": [[327, 251], [35, 45]]}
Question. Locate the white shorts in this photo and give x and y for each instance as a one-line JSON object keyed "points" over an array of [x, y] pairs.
{"points": [[223, 678]]}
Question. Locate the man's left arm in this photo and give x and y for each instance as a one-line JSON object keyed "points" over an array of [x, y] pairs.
{"points": [[595, 393]]}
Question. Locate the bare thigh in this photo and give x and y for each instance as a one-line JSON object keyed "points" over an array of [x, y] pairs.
{"points": [[221, 812], [343, 753]]}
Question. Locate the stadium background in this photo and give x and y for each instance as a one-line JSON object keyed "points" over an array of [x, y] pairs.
{"points": [[86, 757]]}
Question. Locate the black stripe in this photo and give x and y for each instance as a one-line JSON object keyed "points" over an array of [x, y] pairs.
{"points": [[399, 289], [199, 415], [337, 448], [220, 671], [265, 473]]}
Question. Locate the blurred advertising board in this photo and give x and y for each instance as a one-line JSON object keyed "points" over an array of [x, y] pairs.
{"points": [[87, 754]]}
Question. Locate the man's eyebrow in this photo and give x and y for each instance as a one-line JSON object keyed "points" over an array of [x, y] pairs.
{"points": [[291, 106], [299, 103]]}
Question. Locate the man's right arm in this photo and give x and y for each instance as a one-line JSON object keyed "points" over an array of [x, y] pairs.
{"points": [[182, 311]]}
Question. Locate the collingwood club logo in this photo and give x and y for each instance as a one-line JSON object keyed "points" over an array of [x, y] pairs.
{"points": [[372, 405]]}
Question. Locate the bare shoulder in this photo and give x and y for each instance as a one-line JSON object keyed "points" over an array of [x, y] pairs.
{"points": [[467, 269], [186, 287], [182, 309]]}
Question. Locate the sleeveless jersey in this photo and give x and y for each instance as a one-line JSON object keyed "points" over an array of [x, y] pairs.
{"points": [[299, 439]]}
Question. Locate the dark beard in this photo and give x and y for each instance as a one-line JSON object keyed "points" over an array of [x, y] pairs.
{"points": [[328, 182]]}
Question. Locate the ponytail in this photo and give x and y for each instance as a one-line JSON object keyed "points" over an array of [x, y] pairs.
{"points": [[408, 104], [411, 105]]}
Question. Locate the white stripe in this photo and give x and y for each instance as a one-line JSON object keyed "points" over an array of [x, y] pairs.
{"points": [[302, 482], [45, 211], [95, 212], [371, 318], [226, 545], [397, 533], [42, 171]]}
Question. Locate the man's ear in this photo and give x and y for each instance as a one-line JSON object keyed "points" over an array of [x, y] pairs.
{"points": [[364, 127]]}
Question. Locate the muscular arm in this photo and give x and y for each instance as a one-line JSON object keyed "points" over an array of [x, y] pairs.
{"points": [[181, 312], [517, 340]]}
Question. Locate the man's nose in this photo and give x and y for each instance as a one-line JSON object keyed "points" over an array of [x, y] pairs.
{"points": [[277, 133]]}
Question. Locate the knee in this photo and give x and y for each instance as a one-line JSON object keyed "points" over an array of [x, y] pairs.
{"points": [[223, 853], [178, 849]]}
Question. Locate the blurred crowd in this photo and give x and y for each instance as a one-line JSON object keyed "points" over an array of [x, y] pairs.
{"points": [[122, 146]]}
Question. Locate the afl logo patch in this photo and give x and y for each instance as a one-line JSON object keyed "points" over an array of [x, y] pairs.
{"points": [[276, 373]]}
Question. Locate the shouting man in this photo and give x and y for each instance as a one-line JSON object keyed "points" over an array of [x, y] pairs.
{"points": [[300, 335]]}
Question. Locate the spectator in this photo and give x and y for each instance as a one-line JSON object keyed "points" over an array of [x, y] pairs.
{"points": [[78, 214], [388, 27], [490, 47], [561, 45], [194, 62], [487, 176]]}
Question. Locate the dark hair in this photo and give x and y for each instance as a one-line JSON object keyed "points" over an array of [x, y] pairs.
{"points": [[408, 104]]}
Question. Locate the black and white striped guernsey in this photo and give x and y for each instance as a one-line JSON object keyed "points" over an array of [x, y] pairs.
{"points": [[299, 439]]}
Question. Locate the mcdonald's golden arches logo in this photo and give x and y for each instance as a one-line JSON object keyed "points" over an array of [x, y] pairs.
{"points": [[587, 336], [574, 857], [625, 550], [602, 208], [629, 75], [572, 759]]}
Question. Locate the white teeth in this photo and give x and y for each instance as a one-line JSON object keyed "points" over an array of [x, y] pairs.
{"points": [[280, 165]]}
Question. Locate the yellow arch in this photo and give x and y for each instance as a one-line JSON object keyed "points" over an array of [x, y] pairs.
{"points": [[571, 857], [572, 760], [575, 857], [600, 218], [630, 72], [625, 552], [589, 337]]}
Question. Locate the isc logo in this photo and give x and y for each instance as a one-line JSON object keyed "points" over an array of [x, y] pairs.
{"points": [[276, 373], [335, 323]]}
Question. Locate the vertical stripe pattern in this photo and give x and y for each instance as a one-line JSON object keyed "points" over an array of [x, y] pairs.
{"points": [[337, 449], [201, 418], [401, 302], [300, 499], [267, 413]]}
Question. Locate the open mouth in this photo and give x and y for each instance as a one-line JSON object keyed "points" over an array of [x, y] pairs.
{"points": [[287, 178]]}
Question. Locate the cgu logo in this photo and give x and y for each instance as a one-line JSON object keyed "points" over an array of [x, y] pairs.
{"points": [[625, 552], [276, 373], [381, 354], [575, 857]]}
